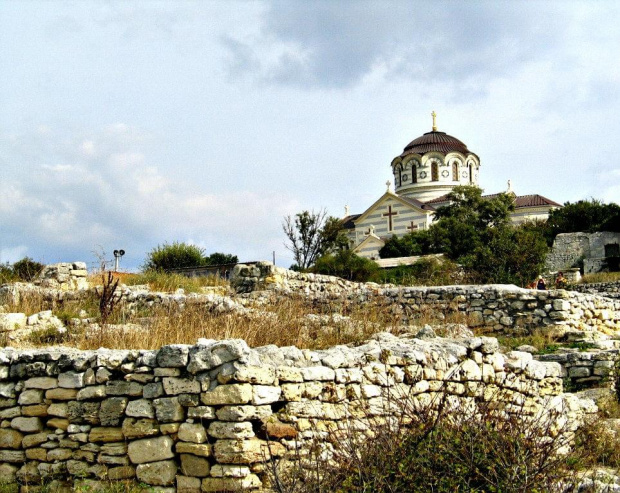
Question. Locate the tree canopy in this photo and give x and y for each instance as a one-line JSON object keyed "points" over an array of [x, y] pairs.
{"points": [[476, 232], [585, 216]]}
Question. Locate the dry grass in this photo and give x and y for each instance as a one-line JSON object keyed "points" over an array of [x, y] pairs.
{"points": [[600, 277], [161, 281]]}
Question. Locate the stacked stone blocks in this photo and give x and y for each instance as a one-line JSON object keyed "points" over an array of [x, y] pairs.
{"points": [[210, 417]]}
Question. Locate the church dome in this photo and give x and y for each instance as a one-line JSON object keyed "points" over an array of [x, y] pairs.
{"points": [[435, 141]]}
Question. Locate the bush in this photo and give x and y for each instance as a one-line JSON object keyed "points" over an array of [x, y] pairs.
{"points": [[425, 272], [427, 448], [27, 269], [174, 256], [347, 265]]}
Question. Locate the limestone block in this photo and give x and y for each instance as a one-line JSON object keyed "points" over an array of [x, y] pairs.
{"points": [[36, 454], [34, 440], [94, 392], [245, 451], [320, 373], [262, 375], [10, 438], [12, 321], [265, 394], [228, 394], [289, 374], [114, 448], [150, 450], [7, 389], [81, 412], [153, 390], [35, 410], [12, 456], [199, 449], [41, 383], [169, 428], [228, 471], [243, 413], [140, 408], [192, 465], [292, 391], [168, 409], [157, 473], [174, 356], [277, 430], [59, 454], [122, 472], [140, 428], [60, 394], [7, 473], [71, 380], [194, 433], [117, 387], [188, 485], [175, 386], [27, 425], [28, 397], [201, 412], [167, 372], [561, 305], [227, 429], [203, 358], [470, 371], [112, 410], [106, 434], [231, 484], [579, 372]]}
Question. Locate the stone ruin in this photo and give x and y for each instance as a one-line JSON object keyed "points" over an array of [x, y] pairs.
{"points": [[211, 416]]}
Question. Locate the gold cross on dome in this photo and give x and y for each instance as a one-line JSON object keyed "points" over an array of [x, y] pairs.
{"points": [[434, 115]]}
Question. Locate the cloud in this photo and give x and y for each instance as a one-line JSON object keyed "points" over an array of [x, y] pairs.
{"points": [[116, 198]]}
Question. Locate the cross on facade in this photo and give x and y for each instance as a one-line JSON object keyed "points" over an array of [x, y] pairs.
{"points": [[389, 215], [412, 227]]}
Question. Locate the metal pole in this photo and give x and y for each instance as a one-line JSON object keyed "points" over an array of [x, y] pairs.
{"points": [[274, 257]]}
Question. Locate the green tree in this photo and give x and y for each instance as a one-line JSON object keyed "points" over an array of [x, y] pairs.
{"points": [[585, 216], [415, 243], [312, 234], [218, 258], [174, 256], [27, 269], [347, 265]]}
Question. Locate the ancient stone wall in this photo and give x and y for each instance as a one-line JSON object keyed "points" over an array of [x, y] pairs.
{"points": [[209, 417], [66, 276], [609, 289], [498, 308], [572, 249]]}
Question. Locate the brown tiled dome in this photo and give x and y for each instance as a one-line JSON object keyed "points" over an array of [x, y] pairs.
{"points": [[435, 141]]}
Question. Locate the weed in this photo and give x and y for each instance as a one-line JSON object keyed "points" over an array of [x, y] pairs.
{"points": [[600, 277]]}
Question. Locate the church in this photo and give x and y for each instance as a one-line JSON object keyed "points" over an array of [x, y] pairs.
{"points": [[425, 172]]}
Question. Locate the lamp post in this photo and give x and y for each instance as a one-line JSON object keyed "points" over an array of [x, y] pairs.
{"points": [[117, 256]]}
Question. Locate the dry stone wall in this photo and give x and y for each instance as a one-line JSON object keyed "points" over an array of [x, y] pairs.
{"points": [[198, 418], [498, 308]]}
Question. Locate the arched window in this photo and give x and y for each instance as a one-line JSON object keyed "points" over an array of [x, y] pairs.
{"points": [[414, 172], [455, 171], [471, 172], [397, 175], [434, 171]]}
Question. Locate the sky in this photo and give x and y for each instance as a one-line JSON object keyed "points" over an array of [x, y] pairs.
{"points": [[131, 124]]}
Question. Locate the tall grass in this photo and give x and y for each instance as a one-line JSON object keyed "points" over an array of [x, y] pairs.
{"points": [[600, 277]]}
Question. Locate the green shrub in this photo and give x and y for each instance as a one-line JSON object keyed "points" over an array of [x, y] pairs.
{"points": [[174, 256], [27, 269], [347, 265], [425, 272]]}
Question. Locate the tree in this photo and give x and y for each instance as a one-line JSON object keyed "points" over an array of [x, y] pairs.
{"points": [[27, 269], [218, 258], [311, 235], [174, 256], [415, 243], [585, 216]]}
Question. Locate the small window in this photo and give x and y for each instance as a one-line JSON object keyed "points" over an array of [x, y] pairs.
{"points": [[455, 171], [434, 171]]}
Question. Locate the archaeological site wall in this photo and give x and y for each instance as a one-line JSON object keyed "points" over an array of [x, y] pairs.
{"points": [[504, 309], [209, 417]]}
